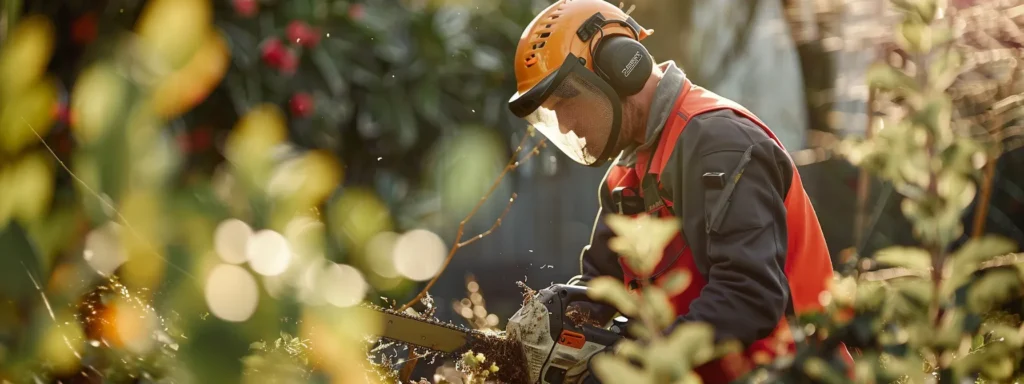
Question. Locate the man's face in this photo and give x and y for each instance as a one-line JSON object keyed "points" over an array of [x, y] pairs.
{"points": [[577, 120]]}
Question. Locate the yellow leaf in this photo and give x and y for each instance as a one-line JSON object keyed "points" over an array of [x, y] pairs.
{"points": [[27, 115], [611, 290], [25, 55], [62, 344], [185, 88], [174, 29], [251, 141], [676, 282], [7, 195], [308, 179], [907, 257], [611, 369], [629, 349], [356, 216], [96, 102], [693, 342], [32, 186], [657, 302], [642, 240]]}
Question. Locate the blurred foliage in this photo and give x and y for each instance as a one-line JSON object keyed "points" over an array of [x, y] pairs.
{"points": [[655, 356], [182, 178], [930, 308]]}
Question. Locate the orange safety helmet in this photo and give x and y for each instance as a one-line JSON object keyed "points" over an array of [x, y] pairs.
{"points": [[574, 64]]}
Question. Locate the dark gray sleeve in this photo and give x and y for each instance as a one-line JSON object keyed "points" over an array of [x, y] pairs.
{"points": [[742, 255], [597, 259]]}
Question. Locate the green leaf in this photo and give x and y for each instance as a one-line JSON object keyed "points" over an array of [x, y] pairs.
{"points": [[870, 296], [995, 288], [329, 71], [906, 257], [610, 290], [20, 266], [883, 76], [982, 249]]}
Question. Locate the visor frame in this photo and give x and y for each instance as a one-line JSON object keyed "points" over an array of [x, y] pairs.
{"points": [[524, 104]]}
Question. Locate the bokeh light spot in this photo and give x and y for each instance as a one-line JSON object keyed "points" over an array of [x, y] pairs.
{"points": [[103, 251], [343, 285], [269, 253], [231, 239], [380, 252], [418, 254], [231, 293]]}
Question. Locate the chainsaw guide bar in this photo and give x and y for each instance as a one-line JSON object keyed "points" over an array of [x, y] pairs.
{"points": [[446, 338]]}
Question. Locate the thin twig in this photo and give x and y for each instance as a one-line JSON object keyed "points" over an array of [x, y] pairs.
{"points": [[513, 163], [896, 273], [458, 243], [990, 166]]}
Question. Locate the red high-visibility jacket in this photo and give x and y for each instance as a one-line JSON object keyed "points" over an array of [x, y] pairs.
{"points": [[802, 259]]}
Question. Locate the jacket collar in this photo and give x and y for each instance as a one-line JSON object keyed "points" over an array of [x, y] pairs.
{"points": [[669, 87]]}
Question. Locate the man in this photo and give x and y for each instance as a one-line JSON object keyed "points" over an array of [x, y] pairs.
{"points": [[753, 244]]}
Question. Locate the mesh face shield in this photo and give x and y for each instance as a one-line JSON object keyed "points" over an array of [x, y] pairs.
{"points": [[576, 110]]}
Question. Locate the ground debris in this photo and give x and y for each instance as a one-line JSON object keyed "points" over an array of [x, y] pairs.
{"points": [[506, 353]]}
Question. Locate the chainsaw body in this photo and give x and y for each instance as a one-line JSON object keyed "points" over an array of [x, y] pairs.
{"points": [[557, 349]]}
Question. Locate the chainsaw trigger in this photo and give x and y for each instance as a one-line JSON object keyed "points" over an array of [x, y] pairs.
{"points": [[572, 339]]}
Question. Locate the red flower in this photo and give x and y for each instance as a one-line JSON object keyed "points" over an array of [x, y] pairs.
{"points": [[301, 104], [301, 33], [356, 11], [246, 8]]}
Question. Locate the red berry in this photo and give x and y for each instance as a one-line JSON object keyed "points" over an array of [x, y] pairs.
{"points": [[274, 52], [356, 11], [84, 29], [61, 113], [301, 104], [246, 8], [301, 33], [289, 62]]}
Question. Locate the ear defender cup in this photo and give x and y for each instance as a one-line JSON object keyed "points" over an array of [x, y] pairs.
{"points": [[624, 63]]}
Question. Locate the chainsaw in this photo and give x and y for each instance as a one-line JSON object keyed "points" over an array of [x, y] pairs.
{"points": [[550, 344]]}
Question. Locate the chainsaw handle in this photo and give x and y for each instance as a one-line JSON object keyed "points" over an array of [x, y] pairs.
{"points": [[569, 294]]}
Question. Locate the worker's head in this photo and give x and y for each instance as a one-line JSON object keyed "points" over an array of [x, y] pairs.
{"points": [[578, 66]]}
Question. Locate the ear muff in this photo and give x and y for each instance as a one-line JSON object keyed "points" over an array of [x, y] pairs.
{"points": [[624, 63]]}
